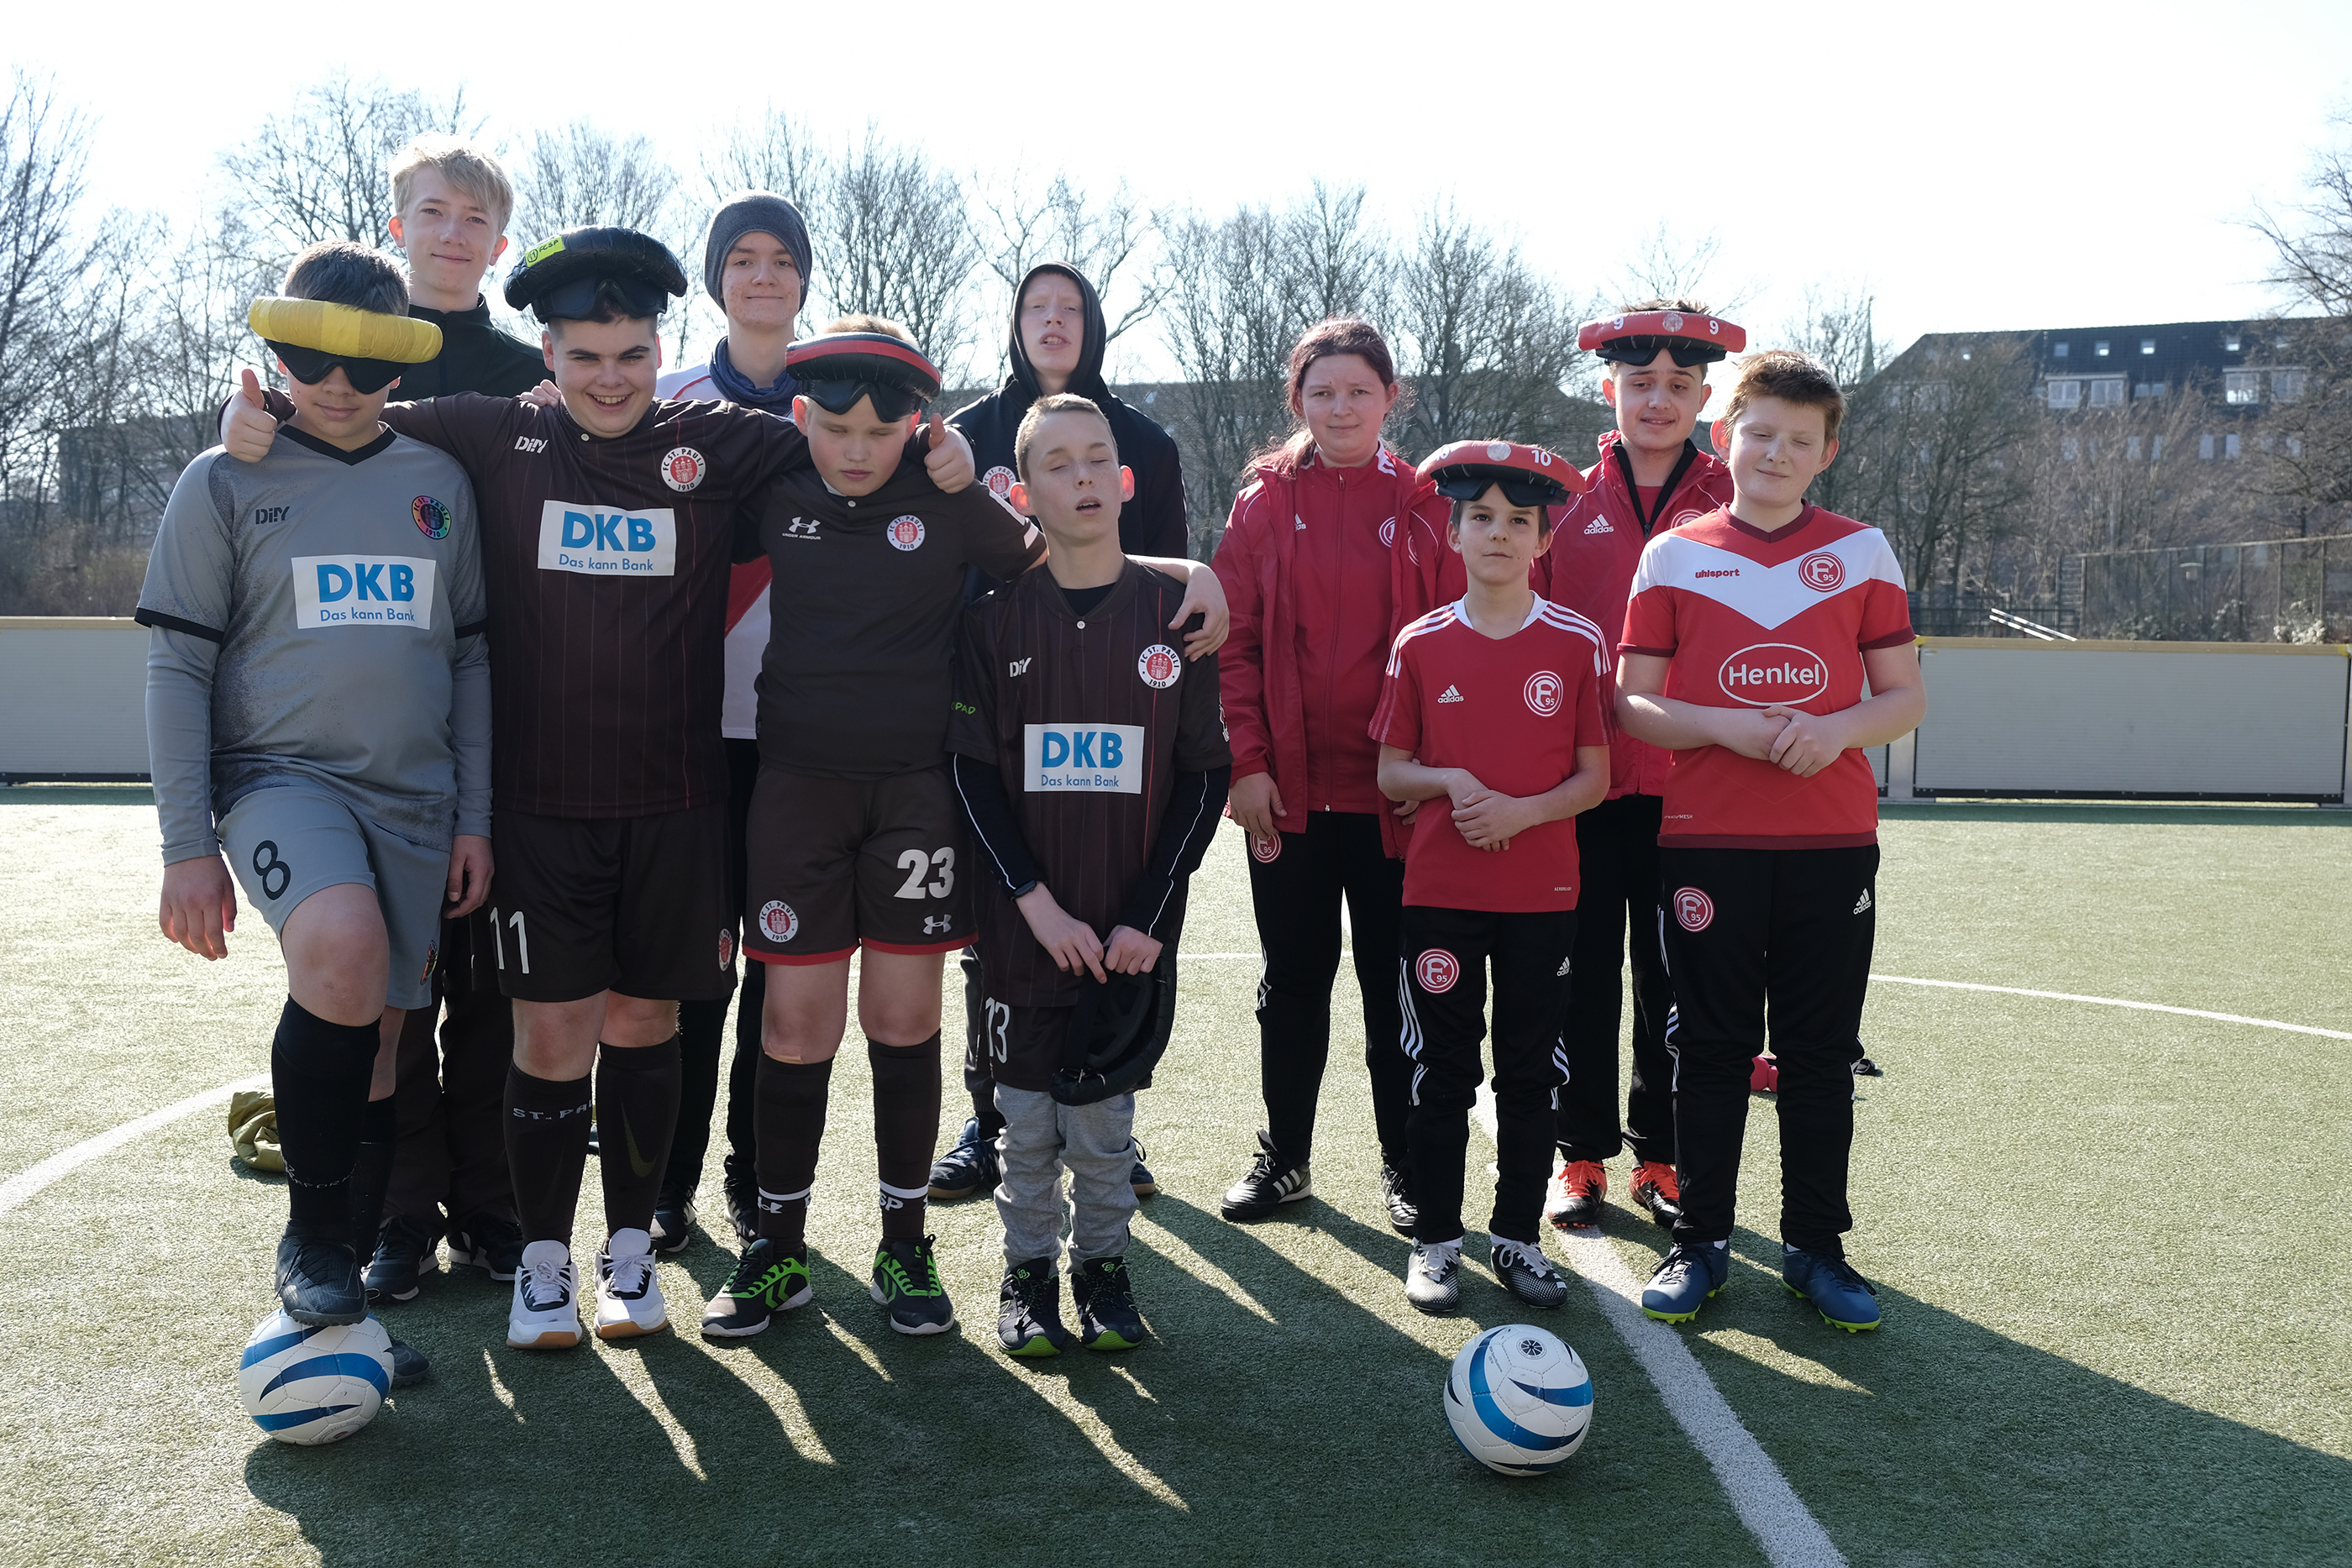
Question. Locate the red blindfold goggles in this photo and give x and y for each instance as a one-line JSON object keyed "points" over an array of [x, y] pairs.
{"points": [[1635, 339], [1529, 476]]}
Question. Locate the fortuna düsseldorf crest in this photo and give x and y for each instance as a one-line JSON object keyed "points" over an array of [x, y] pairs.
{"points": [[1542, 692], [906, 532], [1438, 970], [1264, 850], [1822, 571], [682, 468], [1158, 666], [1695, 909]]}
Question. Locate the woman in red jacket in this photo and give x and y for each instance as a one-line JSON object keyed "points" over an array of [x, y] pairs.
{"points": [[1325, 554]]}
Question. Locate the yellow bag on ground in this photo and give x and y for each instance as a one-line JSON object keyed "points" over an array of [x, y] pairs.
{"points": [[252, 1129]]}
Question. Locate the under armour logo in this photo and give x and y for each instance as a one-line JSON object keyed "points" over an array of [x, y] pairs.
{"points": [[802, 528], [935, 922]]}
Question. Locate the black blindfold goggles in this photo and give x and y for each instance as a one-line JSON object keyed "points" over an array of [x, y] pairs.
{"points": [[310, 366]]}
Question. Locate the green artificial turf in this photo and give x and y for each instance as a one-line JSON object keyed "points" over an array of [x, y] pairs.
{"points": [[2111, 1246]]}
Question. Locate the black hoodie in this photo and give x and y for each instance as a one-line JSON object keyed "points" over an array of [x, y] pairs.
{"points": [[1150, 524], [475, 357]]}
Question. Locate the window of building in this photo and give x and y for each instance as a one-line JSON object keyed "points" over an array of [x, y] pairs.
{"points": [[2058, 350], [2070, 449], [2131, 449], [2065, 394], [2156, 449], [2242, 386], [2107, 393], [2157, 389], [2230, 445], [2294, 446], [2285, 385], [2100, 349], [2205, 449], [2230, 343], [2147, 345]]}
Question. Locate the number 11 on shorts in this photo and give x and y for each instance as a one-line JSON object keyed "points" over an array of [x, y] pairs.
{"points": [[522, 940]]}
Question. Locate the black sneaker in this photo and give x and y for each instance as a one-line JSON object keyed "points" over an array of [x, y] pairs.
{"points": [[967, 1170], [1029, 1314], [1106, 1301], [1141, 1178], [1396, 1191], [1269, 1183], [488, 1242], [405, 1252], [673, 1226], [907, 1280], [742, 1188], [767, 1281], [409, 1367], [319, 1281]]}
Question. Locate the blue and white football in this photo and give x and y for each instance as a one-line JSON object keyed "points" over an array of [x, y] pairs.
{"points": [[309, 1386], [1519, 1400]]}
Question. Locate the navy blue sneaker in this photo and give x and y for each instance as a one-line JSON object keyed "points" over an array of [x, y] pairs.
{"points": [[1688, 1276], [1843, 1297], [967, 1170]]}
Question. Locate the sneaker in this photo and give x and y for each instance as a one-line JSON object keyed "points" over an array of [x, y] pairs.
{"points": [[1432, 1280], [1522, 1269], [1576, 1193], [1269, 1183], [405, 1252], [1396, 1191], [907, 1280], [767, 1281], [672, 1227], [543, 1315], [1029, 1312], [1843, 1297], [1105, 1297], [1685, 1278], [1764, 1076], [1140, 1179], [409, 1367], [489, 1241], [742, 1193], [968, 1169], [1659, 1190], [628, 1298], [318, 1280]]}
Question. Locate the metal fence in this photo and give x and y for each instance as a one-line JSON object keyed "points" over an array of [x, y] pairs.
{"points": [[1939, 612], [2276, 591]]}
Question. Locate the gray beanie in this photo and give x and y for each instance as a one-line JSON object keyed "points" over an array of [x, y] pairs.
{"points": [[753, 212]]}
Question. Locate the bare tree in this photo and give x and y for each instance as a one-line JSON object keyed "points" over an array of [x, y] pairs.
{"points": [[773, 152], [577, 175], [1026, 226], [44, 163], [319, 170], [2307, 467], [893, 239], [1671, 265], [1835, 326]]}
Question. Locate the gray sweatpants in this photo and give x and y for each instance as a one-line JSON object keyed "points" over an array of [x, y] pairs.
{"points": [[1041, 1136]]}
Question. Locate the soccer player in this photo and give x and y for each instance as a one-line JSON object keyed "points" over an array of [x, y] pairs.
{"points": [[1318, 560], [756, 263], [609, 521], [318, 707], [1490, 715], [1057, 346], [1091, 761], [1651, 477], [451, 202], [1748, 637], [855, 844]]}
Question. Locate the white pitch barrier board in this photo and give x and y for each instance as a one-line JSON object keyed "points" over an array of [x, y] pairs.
{"points": [[2176, 720], [73, 698]]}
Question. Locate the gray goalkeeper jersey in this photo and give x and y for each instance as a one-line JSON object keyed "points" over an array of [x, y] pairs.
{"points": [[318, 617]]}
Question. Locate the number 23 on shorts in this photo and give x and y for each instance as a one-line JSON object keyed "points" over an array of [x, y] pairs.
{"points": [[939, 866]]}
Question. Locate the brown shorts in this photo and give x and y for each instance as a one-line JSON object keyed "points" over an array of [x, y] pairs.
{"points": [[633, 904], [1019, 1047], [834, 865]]}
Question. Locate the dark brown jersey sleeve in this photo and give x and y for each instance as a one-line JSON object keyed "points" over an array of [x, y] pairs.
{"points": [[994, 540], [467, 425], [972, 718]]}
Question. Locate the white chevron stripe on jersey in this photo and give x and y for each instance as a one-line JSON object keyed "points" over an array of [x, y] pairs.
{"points": [[1567, 620], [1443, 615], [1771, 596]]}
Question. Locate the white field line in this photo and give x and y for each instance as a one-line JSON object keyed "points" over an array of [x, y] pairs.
{"points": [[1760, 1494], [21, 1186]]}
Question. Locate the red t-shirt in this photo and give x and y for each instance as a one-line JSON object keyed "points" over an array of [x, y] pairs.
{"points": [[1749, 619], [1512, 710]]}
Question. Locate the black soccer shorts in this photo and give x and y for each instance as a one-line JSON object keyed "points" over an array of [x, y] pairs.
{"points": [[834, 865], [633, 904]]}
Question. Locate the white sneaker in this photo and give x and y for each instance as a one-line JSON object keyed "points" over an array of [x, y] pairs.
{"points": [[544, 1315], [1433, 1279], [628, 1298]]}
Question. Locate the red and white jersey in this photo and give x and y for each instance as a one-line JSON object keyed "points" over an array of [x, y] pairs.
{"points": [[1751, 618], [747, 588], [1512, 710]]}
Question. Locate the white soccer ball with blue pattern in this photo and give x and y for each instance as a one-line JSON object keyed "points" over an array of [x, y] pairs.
{"points": [[309, 1386], [1519, 1400]]}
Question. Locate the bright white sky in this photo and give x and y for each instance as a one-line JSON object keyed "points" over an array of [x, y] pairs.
{"points": [[2002, 165]]}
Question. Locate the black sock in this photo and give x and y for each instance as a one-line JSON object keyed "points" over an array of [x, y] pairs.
{"points": [[983, 1106], [790, 1115], [371, 1173], [636, 1095], [906, 1122], [319, 1074], [547, 1150]]}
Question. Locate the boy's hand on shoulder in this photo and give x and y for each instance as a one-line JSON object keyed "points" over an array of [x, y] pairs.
{"points": [[1751, 732], [949, 460], [1071, 941], [247, 432], [1807, 742], [199, 906], [1131, 951], [469, 876], [1204, 596]]}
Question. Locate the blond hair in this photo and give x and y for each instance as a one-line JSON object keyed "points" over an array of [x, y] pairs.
{"points": [[469, 168], [862, 322], [1059, 403]]}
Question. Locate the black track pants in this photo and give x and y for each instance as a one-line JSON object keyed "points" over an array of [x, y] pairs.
{"points": [[1442, 983], [1617, 897], [1297, 895], [702, 1026], [1749, 929]]}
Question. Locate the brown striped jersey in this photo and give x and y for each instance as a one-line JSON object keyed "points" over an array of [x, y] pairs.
{"points": [[607, 565], [1089, 719]]}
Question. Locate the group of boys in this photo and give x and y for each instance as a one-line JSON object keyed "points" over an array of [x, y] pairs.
{"points": [[1051, 726]]}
